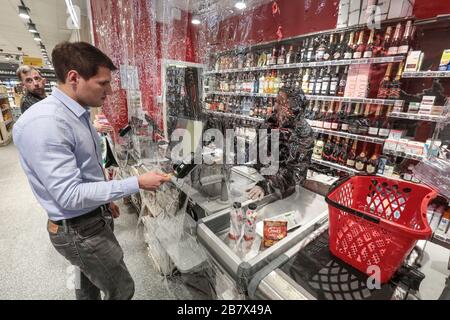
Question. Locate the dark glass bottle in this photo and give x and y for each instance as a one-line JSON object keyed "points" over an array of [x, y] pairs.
{"points": [[328, 149], [361, 159]]}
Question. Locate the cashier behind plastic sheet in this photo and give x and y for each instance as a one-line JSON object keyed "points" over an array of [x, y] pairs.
{"points": [[295, 146]]}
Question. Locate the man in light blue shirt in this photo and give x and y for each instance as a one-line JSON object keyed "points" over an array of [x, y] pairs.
{"points": [[60, 154]]}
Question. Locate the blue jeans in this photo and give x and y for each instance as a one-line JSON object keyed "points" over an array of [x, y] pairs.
{"points": [[91, 245]]}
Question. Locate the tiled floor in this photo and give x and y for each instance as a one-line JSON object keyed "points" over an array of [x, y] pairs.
{"points": [[30, 268]]}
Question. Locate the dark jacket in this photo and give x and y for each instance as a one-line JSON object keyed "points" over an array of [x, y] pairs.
{"points": [[295, 151], [28, 100]]}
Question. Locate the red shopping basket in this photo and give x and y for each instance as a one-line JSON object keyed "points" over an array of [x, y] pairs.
{"points": [[375, 221]]}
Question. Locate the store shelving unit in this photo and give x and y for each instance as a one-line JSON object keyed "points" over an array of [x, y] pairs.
{"points": [[334, 166], [427, 74], [350, 135], [423, 117], [6, 118], [317, 64], [235, 116], [315, 98], [404, 155]]}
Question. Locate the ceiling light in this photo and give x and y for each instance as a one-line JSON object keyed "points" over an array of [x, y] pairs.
{"points": [[24, 12], [32, 27], [73, 14], [195, 21], [37, 37], [240, 5]]}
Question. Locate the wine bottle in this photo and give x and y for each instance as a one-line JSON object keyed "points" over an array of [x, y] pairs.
{"points": [[326, 81], [329, 50], [298, 54], [383, 50], [328, 149], [385, 127], [305, 81], [394, 88], [350, 47], [336, 150], [364, 122], [375, 123], [312, 82], [404, 45], [335, 123], [360, 46], [351, 157], [334, 82], [321, 116], [343, 154], [340, 48], [304, 51], [345, 121], [353, 125], [384, 89], [361, 159], [368, 52], [393, 48], [282, 56], [290, 58], [319, 81], [316, 114], [320, 52], [327, 117], [372, 163], [343, 83], [310, 53], [318, 148]]}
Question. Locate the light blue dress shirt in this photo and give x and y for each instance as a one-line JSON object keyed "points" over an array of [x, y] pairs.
{"points": [[60, 154]]}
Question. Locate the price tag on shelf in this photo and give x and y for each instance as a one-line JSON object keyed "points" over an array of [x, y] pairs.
{"points": [[399, 103], [378, 101]]}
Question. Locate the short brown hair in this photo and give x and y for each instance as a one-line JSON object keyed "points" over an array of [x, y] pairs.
{"points": [[81, 57], [25, 69]]}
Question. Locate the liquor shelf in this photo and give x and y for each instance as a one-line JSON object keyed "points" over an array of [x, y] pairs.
{"points": [[335, 166], [427, 74], [404, 155], [350, 135], [236, 116], [313, 97], [414, 116], [312, 64]]}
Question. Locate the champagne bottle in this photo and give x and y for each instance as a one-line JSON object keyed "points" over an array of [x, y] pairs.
{"points": [[372, 163], [383, 50], [351, 157], [360, 47], [343, 154], [404, 45], [368, 52], [375, 123], [393, 48], [350, 47], [361, 159], [340, 48]]}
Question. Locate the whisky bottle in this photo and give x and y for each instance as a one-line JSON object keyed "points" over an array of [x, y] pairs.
{"points": [[394, 88], [282, 56], [318, 85], [384, 89], [290, 58], [334, 82], [327, 117], [326, 81], [343, 83], [328, 149]]}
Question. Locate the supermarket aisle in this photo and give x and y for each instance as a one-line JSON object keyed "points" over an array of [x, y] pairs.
{"points": [[32, 269]]}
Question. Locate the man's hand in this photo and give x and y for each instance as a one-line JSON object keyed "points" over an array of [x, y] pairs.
{"points": [[256, 193], [152, 180], [115, 211], [102, 127]]}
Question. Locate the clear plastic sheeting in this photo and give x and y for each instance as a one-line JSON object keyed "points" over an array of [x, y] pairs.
{"points": [[187, 64]]}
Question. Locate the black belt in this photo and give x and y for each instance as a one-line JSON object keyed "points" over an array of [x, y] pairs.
{"points": [[78, 219]]}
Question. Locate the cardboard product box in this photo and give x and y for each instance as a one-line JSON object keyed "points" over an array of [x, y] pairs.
{"points": [[352, 80], [414, 61], [400, 8], [437, 110], [396, 134], [344, 7], [414, 107], [390, 145], [402, 144], [445, 61], [426, 104], [415, 148], [354, 12]]}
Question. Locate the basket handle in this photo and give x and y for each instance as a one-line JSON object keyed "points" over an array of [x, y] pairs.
{"points": [[352, 211]]}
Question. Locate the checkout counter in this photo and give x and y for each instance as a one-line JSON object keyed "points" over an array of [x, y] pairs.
{"points": [[299, 267]]}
